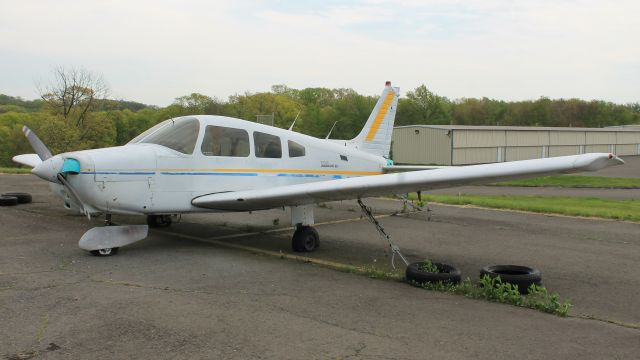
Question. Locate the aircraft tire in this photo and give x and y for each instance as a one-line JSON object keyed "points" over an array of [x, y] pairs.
{"points": [[447, 274], [8, 200], [104, 252], [523, 276], [305, 239], [23, 198]]}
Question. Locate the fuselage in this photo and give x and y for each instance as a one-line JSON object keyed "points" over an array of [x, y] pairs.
{"points": [[163, 169]]}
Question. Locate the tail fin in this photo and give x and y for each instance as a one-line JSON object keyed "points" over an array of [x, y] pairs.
{"points": [[375, 137]]}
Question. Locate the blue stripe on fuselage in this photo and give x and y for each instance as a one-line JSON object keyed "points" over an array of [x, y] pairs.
{"points": [[201, 173], [209, 173]]}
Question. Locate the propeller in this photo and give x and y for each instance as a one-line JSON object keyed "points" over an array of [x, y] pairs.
{"points": [[37, 144], [54, 168]]}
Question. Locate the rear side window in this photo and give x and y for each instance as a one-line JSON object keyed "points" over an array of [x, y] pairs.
{"points": [[267, 145], [295, 149], [225, 141]]}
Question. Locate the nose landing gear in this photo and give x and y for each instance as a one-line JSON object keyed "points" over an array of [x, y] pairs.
{"points": [[105, 251]]}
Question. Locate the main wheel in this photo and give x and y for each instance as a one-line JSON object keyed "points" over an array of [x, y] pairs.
{"points": [[305, 239], [155, 221], [104, 252]]}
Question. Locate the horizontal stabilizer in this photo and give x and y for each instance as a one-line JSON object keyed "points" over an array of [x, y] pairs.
{"points": [[31, 160], [400, 183], [108, 237]]}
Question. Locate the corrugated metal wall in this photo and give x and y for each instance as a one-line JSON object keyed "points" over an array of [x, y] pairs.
{"points": [[462, 146], [421, 146]]}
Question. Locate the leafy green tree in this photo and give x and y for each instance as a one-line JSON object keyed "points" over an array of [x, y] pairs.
{"points": [[430, 108]]}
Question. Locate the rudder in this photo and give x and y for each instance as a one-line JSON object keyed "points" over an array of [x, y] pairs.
{"points": [[375, 137]]}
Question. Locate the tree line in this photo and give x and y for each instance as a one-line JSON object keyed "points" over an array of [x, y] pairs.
{"points": [[74, 112]]}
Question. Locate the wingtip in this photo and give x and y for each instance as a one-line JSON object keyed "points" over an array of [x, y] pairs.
{"points": [[617, 160], [596, 161]]}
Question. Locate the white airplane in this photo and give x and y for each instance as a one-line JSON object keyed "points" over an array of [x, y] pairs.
{"points": [[205, 163]]}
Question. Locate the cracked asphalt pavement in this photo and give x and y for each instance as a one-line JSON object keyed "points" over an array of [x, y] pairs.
{"points": [[170, 296]]}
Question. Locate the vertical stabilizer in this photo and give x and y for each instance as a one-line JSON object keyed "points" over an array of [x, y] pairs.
{"points": [[375, 137]]}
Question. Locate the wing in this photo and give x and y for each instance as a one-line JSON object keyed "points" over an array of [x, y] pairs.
{"points": [[352, 188], [404, 168]]}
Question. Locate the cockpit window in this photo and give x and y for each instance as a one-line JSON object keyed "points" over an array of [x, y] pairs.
{"points": [[224, 141], [177, 134], [267, 145]]}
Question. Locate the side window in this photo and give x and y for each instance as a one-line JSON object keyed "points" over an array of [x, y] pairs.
{"points": [[224, 141], [295, 149], [267, 146]]}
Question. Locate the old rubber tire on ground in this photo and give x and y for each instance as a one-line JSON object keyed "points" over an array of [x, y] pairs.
{"points": [[448, 273], [104, 252], [305, 239], [8, 200], [23, 198], [523, 276]]}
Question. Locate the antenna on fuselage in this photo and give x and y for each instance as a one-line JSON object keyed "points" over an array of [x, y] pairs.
{"points": [[294, 121], [334, 125]]}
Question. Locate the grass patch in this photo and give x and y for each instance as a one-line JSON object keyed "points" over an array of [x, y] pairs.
{"points": [[15, 170], [576, 181], [493, 289], [574, 206]]}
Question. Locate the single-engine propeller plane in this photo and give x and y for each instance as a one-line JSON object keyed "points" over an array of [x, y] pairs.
{"points": [[205, 163]]}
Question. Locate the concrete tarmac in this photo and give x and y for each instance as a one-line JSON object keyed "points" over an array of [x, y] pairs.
{"points": [[176, 295]]}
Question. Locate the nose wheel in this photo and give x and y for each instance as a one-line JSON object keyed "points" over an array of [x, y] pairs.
{"points": [[305, 239], [104, 252]]}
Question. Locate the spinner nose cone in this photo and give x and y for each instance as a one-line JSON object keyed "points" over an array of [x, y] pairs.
{"points": [[49, 169]]}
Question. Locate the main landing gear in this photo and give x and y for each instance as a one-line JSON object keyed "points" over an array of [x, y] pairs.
{"points": [[156, 221], [305, 239]]}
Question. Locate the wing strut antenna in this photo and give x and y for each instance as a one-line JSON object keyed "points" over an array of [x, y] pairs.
{"points": [[294, 121], [329, 134], [383, 234]]}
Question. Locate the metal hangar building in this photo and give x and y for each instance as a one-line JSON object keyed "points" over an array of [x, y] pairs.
{"points": [[466, 145]]}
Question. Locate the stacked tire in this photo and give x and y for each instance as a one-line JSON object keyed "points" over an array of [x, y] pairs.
{"points": [[15, 198]]}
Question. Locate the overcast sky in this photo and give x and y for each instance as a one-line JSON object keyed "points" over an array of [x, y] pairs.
{"points": [[154, 51]]}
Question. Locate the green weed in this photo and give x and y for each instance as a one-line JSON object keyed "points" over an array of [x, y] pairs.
{"points": [[428, 266], [494, 289]]}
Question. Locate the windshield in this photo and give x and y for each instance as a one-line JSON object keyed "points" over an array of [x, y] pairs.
{"points": [[177, 134], [148, 131]]}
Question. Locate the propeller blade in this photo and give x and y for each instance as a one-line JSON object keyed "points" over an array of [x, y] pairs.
{"points": [[36, 144]]}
